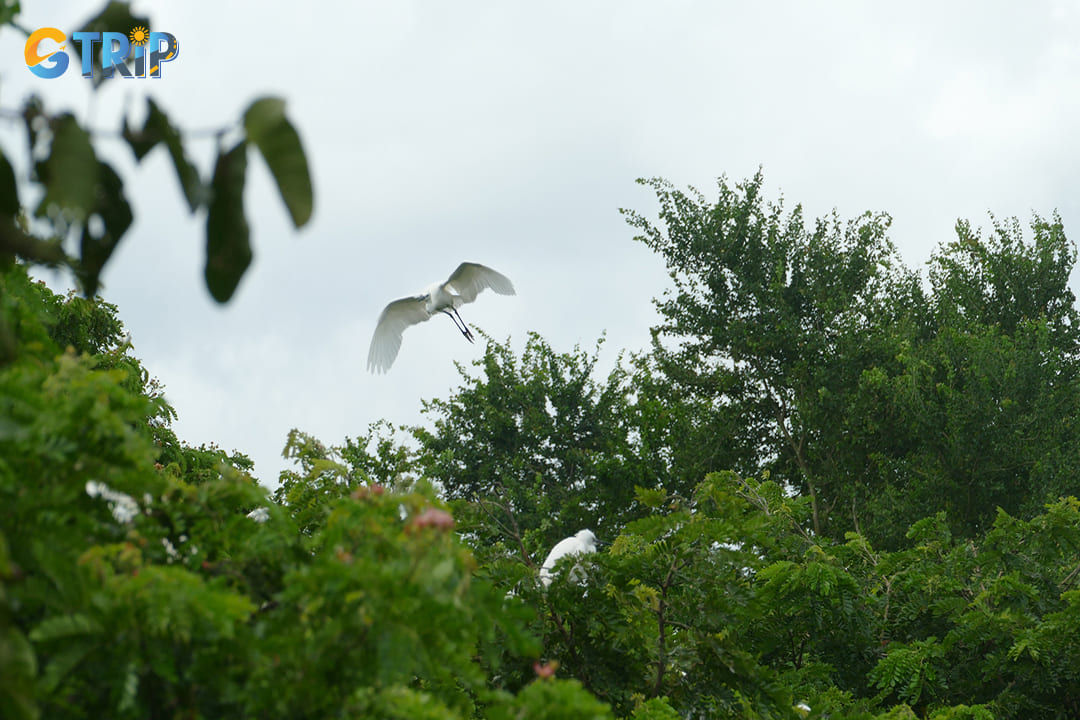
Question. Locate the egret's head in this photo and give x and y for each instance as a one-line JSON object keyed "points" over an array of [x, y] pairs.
{"points": [[587, 538]]}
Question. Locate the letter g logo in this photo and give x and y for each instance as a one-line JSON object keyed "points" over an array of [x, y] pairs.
{"points": [[34, 61]]}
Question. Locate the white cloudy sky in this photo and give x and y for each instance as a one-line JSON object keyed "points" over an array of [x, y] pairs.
{"points": [[510, 133]]}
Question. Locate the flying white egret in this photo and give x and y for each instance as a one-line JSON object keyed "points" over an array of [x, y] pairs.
{"points": [[446, 297], [583, 542]]}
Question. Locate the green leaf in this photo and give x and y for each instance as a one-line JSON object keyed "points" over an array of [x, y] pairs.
{"points": [[34, 121], [185, 171], [158, 128], [64, 662], [563, 699], [64, 626], [263, 115], [9, 190], [397, 653], [142, 141], [70, 173], [656, 709], [8, 10], [649, 497], [18, 666], [228, 246], [113, 213], [115, 17], [271, 132], [5, 563]]}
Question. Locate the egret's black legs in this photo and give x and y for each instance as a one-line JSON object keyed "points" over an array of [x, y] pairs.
{"points": [[459, 324], [468, 333]]}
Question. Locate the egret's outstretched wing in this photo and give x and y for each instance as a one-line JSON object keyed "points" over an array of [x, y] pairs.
{"points": [[470, 278], [386, 341]]}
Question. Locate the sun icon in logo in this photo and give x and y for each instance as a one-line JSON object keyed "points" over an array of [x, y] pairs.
{"points": [[139, 35]]}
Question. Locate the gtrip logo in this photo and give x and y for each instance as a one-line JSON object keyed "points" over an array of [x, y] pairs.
{"points": [[142, 48]]}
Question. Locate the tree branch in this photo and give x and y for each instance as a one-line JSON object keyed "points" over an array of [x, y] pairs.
{"points": [[661, 641], [16, 242], [782, 415]]}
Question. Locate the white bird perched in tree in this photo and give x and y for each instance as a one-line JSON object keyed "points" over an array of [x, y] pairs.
{"points": [[583, 542], [446, 297], [259, 514]]}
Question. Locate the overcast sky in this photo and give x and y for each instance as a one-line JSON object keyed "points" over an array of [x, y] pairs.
{"points": [[510, 133]]}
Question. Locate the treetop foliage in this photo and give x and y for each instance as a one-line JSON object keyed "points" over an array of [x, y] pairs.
{"points": [[819, 356]]}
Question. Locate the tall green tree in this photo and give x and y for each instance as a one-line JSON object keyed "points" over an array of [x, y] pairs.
{"points": [[1001, 279], [814, 352], [978, 413], [537, 448], [770, 324]]}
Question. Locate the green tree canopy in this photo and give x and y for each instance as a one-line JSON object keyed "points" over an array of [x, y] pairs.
{"points": [[812, 351], [537, 445], [134, 581]]}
